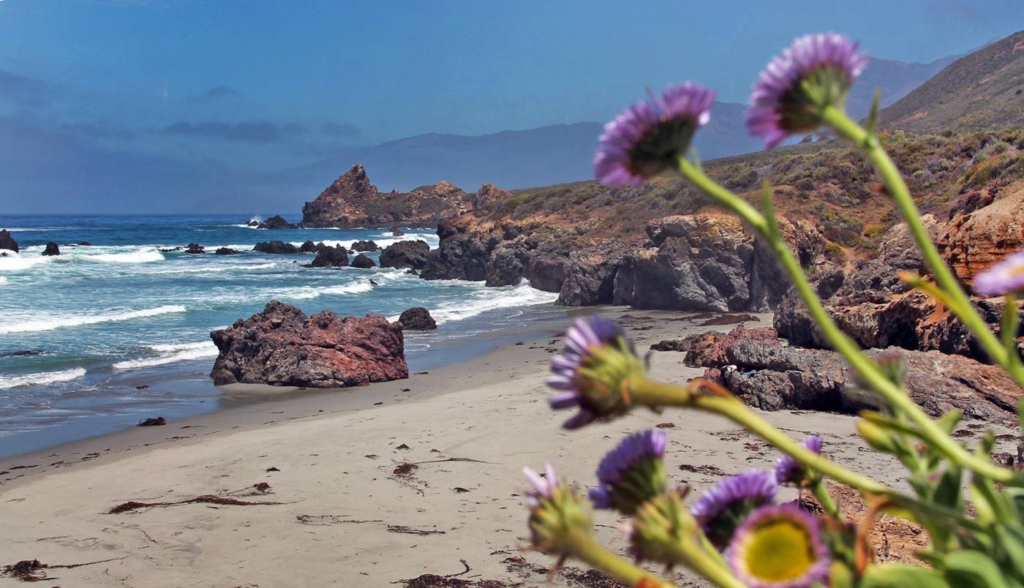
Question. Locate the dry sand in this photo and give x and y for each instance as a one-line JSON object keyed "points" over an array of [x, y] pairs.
{"points": [[344, 517]]}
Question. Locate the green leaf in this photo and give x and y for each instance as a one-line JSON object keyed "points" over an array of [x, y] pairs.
{"points": [[1013, 544], [947, 490], [872, 121], [949, 420], [768, 209], [902, 576], [973, 569], [1008, 328]]}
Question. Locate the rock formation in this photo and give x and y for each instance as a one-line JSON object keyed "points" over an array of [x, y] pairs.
{"points": [[352, 201], [416, 319], [195, 248], [331, 257], [362, 246], [8, 242], [276, 222], [276, 248], [405, 254], [985, 229], [52, 249], [361, 261], [225, 251], [281, 346]]}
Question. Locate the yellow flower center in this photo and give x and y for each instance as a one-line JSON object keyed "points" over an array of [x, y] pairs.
{"points": [[778, 551]]}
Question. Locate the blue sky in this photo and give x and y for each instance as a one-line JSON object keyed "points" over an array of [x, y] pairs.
{"points": [[257, 85]]}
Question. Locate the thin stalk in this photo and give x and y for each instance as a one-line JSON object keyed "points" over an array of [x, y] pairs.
{"points": [[821, 493], [586, 549], [900, 194], [865, 368]]}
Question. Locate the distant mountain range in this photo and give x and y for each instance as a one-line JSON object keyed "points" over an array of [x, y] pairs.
{"points": [[981, 91]]}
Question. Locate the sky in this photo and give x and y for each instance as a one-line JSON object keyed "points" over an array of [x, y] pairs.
{"points": [[251, 86]]}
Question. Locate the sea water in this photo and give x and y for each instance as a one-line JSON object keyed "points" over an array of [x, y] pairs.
{"points": [[104, 335]]}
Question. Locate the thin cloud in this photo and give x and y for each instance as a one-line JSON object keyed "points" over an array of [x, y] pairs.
{"points": [[261, 131], [340, 130], [23, 90]]}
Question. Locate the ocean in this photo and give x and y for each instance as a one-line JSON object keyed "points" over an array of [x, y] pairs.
{"points": [[102, 336]]}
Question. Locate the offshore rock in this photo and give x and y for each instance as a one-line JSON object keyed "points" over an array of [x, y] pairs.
{"points": [[225, 251], [195, 249], [276, 248], [276, 222], [281, 346], [361, 261], [331, 257], [365, 246], [8, 242], [416, 319], [51, 249], [405, 254]]}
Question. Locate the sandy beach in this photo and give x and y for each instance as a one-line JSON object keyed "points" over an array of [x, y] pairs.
{"points": [[365, 487]]}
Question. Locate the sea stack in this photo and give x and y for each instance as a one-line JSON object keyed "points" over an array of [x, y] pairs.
{"points": [[8, 242]]}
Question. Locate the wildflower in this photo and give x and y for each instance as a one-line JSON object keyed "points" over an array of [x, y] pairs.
{"points": [[556, 511], [814, 72], [779, 547], [723, 508], [1005, 277], [662, 529], [632, 473], [789, 470], [650, 136], [593, 371]]}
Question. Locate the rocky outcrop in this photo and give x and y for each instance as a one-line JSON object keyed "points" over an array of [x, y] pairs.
{"points": [[416, 319], [310, 247], [986, 229], [352, 201], [710, 262], [276, 248], [276, 222], [52, 249], [361, 261], [405, 255], [281, 346], [226, 251], [331, 257], [588, 280], [362, 246], [7, 242], [770, 375], [195, 249]]}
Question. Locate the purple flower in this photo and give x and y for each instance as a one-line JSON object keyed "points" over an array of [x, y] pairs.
{"points": [[557, 511], [814, 72], [632, 473], [543, 486], [1002, 278], [723, 508], [789, 470], [591, 370], [779, 547], [647, 138]]}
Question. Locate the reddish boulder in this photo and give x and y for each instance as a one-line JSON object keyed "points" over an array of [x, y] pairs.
{"points": [[281, 346]]}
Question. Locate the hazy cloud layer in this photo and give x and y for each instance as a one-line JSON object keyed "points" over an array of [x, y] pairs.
{"points": [[261, 131]]}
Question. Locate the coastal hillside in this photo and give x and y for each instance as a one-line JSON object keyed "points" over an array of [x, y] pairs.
{"points": [[981, 91]]}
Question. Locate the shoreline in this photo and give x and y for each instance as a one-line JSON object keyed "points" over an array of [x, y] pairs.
{"points": [[368, 494]]}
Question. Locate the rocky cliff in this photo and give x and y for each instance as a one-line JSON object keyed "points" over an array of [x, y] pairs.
{"points": [[352, 201]]}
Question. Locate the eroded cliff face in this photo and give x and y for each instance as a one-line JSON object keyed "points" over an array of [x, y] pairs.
{"points": [[352, 201]]}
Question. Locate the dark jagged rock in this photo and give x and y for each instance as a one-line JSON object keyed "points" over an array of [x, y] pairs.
{"points": [[770, 375], [85, 244], [416, 319], [405, 254], [8, 242], [681, 345], [352, 201], [51, 249], [226, 251], [276, 248], [588, 280], [309, 247], [361, 261], [281, 346], [169, 249], [276, 222], [252, 223], [331, 257], [195, 248], [396, 232], [362, 246]]}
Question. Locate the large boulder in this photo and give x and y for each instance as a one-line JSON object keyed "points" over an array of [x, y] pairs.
{"points": [[226, 251], [461, 255], [365, 246], [405, 255], [770, 375], [309, 246], [277, 222], [52, 249], [331, 257], [361, 261], [416, 319], [276, 248], [8, 242], [195, 249], [281, 346]]}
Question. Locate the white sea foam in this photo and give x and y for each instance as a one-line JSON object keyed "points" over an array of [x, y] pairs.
{"points": [[490, 299], [35, 229], [138, 256], [381, 241], [310, 292], [166, 354], [12, 262], [40, 379], [57, 322], [215, 269], [3, 279]]}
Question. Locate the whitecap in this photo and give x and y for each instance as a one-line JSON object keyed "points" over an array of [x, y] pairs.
{"points": [[58, 322], [139, 256], [492, 299], [170, 354], [12, 262], [40, 379]]}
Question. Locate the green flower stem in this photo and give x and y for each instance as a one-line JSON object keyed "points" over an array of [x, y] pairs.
{"points": [[900, 194], [867, 369], [583, 547], [656, 394], [824, 498], [708, 563]]}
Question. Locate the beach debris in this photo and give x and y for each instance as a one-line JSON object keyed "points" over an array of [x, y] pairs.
{"points": [[273, 469], [142, 387], [460, 490], [403, 446], [666, 425], [153, 422], [378, 403], [204, 499], [410, 531], [406, 389], [33, 570], [708, 470], [324, 520], [405, 470]]}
